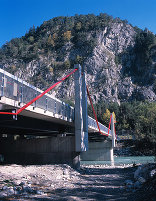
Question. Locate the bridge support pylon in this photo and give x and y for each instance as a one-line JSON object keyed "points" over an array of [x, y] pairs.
{"points": [[113, 131], [81, 115]]}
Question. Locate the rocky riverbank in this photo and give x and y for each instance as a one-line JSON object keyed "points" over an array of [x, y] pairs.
{"points": [[61, 182], [143, 185]]}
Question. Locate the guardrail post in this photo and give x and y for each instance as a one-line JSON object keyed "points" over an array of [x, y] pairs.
{"points": [[21, 94], [63, 110], [112, 131], [46, 106], [55, 108], [68, 112], [3, 83], [35, 103]]}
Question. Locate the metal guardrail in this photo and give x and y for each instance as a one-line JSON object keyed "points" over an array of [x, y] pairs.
{"points": [[92, 123], [16, 89]]}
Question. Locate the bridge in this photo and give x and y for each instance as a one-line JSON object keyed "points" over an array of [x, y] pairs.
{"points": [[61, 131]]}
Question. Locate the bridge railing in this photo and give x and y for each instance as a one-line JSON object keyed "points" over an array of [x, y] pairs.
{"points": [[92, 124], [16, 89]]}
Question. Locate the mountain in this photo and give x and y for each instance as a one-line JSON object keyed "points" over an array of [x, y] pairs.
{"points": [[120, 60]]}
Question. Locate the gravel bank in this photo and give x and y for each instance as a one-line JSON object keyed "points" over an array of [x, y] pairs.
{"points": [[61, 182]]}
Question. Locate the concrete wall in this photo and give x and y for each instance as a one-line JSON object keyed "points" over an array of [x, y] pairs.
{"points": [[99, 151], [52, 150]]}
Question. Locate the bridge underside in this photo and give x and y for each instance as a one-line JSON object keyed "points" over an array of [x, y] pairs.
{"points": [[34, 121], [30, 126], [96, 137]]}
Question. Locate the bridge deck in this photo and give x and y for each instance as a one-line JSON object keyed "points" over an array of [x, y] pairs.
{"points": [[15, 93]]}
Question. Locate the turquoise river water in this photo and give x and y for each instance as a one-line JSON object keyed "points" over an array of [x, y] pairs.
{"points": [[119, 160]]}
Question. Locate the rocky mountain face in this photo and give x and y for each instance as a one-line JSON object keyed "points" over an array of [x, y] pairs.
{"points": [[103, 72], [116, 68]]}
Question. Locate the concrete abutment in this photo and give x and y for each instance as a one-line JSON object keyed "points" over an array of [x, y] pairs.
{"points": [[50, 150]]}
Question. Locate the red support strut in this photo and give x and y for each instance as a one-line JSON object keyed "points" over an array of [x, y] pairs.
{"points": [[95, 113]]}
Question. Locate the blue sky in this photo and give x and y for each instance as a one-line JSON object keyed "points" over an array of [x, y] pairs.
{"points": [[17, 16]]}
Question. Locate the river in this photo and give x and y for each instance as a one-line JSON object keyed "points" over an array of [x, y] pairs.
{"points": [[121, 160]]}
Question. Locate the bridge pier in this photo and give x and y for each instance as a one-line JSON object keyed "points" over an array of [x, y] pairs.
{"points": [[102, 148], [99, 151]]}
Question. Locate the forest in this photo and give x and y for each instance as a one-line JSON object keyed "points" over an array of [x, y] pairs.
{"points": [[137, 118]]}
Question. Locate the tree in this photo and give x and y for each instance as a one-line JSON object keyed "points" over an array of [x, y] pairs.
{"points": [[67, 64], [50, 41], [13, 68], [79, 59], [78, 26], [106, 117], [31, 39], [51, 70], [67, 35], [114, 116], [55, 36], [32, 30]]}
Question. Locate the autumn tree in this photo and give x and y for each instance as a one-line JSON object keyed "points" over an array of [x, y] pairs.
{"points": [[50, 41], [67, 35], [67, 64], [106, 117], [79, 59]]}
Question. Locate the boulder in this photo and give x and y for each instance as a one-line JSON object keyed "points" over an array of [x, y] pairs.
{"points": [[141, 180], [129, 185], [153, 173], [137, 185], [144, 171]]}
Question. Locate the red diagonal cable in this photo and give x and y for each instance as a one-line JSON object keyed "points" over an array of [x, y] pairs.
{"points": [[95, 113], [109, 123], [40, 95], [8, 113]]}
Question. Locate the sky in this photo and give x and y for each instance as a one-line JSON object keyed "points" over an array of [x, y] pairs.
{"points": [[17, 16]]}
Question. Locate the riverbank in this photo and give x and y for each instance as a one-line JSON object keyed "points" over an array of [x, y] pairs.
{"points": [[135, 148], [61, 182]]}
